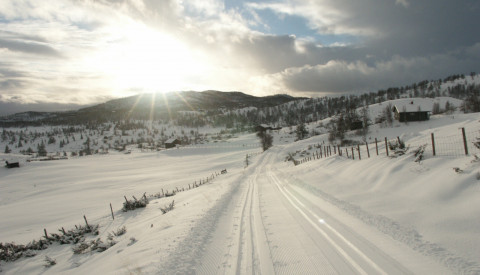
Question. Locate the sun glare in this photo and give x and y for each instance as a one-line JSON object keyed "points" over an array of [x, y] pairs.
{"points": [[146, 60]]}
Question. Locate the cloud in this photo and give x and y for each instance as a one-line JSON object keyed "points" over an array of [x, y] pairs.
{"points": [[404, 3], [28, 47], [338, 76], [69, 50], [387, 27]]}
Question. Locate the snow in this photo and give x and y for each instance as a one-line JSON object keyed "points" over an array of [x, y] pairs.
{"points": [[378, 215]]}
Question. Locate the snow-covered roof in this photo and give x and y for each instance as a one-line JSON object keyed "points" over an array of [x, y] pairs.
{"points": [[172, 140], [414, 105], [265, 126]]}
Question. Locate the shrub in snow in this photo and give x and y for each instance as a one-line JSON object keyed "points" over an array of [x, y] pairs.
{"points": [[122, 230], [80, 248], [132, 241], [134, 204], [49, 261], [168, 208], [476, 143], [457, 170], [94, 245], [418, 153], [10, 252], [397, 147], [172, 193], [290, 157]]}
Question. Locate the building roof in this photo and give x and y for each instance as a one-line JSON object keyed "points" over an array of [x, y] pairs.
{"points": [[414, 105], [172, 140]]}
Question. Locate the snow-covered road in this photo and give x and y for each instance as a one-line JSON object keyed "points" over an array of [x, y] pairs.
{"points": [[273, 227]]}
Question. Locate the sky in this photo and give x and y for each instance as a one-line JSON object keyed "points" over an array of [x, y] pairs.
{"points": [[61, 54]]}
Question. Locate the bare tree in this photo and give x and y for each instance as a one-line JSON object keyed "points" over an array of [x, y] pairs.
{"points": [[265, 139]]}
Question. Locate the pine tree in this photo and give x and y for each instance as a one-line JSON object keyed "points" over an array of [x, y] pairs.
{"points": [[301, 131], [265, 139], [41, 149], [7, 150]]}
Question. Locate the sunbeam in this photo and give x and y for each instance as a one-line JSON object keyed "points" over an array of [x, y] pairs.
{"points": [[134, 106], [184, 100], [152, 108], [168, 107]]}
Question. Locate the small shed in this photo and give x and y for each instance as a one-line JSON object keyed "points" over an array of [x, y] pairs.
{"points": [[263, 128], [171, 143], [355, 125], [411, 112], [12, 164]]}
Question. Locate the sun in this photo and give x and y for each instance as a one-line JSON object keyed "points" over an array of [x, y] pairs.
{"points": [[147, 60]]}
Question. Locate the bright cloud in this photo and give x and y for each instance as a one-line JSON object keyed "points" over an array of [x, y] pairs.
{"points": [[80, 52]]}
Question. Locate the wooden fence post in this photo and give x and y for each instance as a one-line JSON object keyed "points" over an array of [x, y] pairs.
{"points": [[46, 235], [321, 152], [465, 141], [339, 151], [353, 154], [86, 222], [359, 155], [386, 146], [111, 209], [433, 144], [346, 150], [368, 151], [376, 145]]}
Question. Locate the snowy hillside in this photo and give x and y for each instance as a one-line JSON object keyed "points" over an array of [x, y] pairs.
{"points": [[338, 215]]}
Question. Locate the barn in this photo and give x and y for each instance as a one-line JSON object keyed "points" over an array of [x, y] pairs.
{"points": [[411, 112], [171, 143], [265, 127], [12, 164]]}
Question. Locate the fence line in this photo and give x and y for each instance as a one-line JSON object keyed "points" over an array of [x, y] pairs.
{"points": [[456, 145]]}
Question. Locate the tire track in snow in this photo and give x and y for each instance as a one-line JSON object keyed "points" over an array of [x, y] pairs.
{"points": [[408, 236], [315, 223], [293, 247]]}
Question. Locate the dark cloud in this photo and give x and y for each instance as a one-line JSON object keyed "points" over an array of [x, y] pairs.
{"points": [[31, 47], [348, 77], [8, 71], [16, 35], [399, 42], [11, 85]]}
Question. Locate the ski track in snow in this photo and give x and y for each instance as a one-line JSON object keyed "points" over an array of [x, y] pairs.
{"points": [[398, 232]]}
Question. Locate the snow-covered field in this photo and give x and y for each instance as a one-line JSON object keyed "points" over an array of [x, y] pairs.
{"points": [[333, 215]]}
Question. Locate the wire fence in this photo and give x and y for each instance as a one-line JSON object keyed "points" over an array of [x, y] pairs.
{"points": [[454, 145], [221, 146]]}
